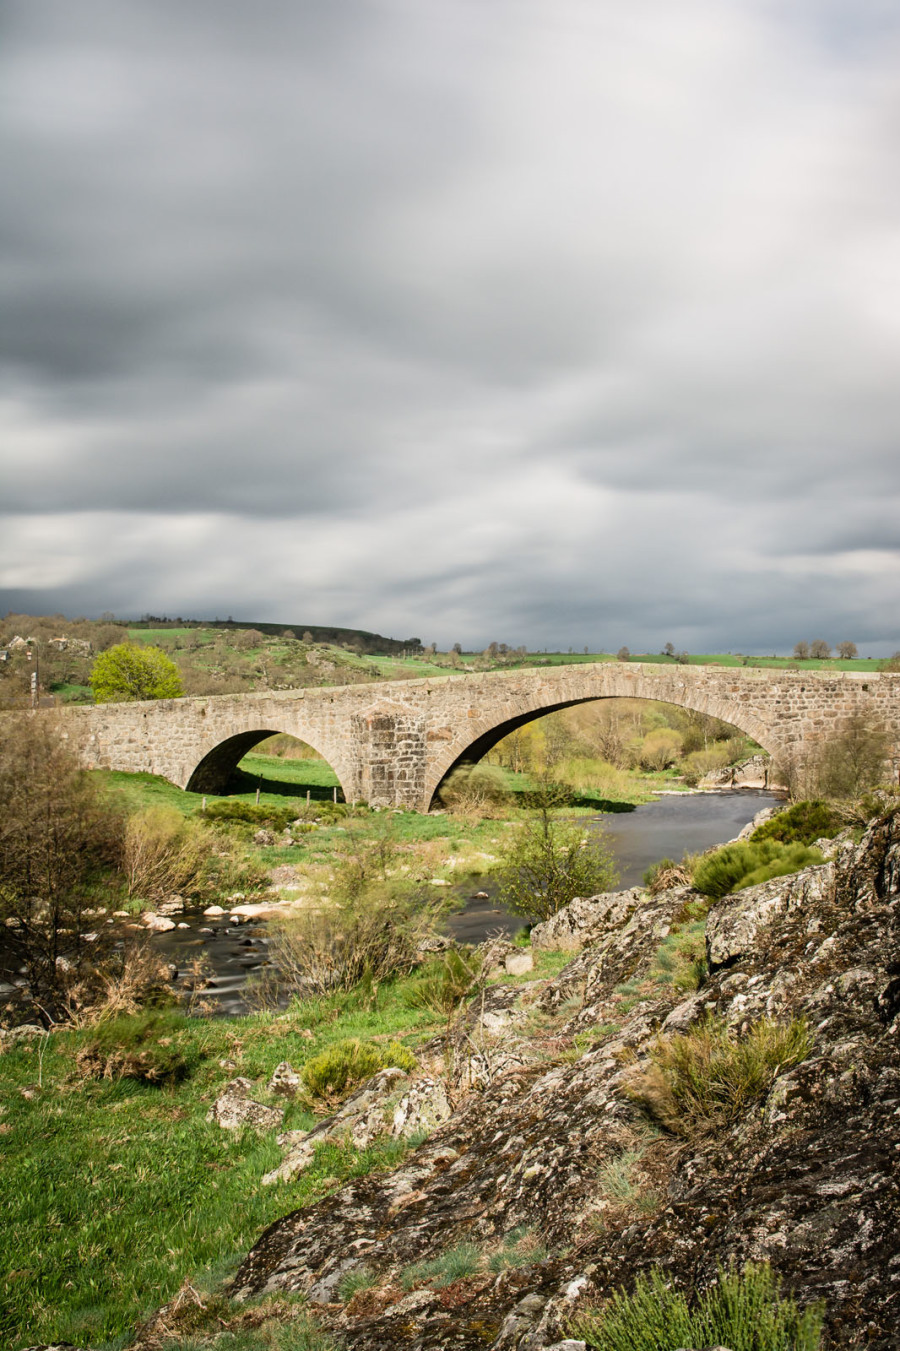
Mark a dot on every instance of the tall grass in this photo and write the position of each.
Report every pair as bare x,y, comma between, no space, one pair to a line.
703,1081
744,1311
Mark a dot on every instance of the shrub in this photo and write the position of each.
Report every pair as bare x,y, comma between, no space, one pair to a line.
660,748
548,862
256,814
377,936
145,1047
348,1063
803,823
474,788
704,1080
444,983
166,852
744,1311
736,866
664,874
60,841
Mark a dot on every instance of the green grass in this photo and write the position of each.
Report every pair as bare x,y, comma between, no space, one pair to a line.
114,1191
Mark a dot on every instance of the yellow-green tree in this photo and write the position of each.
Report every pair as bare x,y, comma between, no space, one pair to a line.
126,673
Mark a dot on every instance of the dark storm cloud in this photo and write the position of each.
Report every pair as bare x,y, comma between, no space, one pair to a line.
559,323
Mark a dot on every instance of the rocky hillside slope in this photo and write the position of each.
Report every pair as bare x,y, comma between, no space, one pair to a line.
555,1155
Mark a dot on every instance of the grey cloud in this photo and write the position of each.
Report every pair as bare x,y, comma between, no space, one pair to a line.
525,319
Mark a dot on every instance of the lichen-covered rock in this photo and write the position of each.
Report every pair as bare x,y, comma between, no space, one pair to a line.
234,1108
423,1107
362,1118
285,1080
585,919
805,1176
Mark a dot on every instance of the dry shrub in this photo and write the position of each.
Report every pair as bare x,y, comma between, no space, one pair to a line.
125,984
475,790
164,852
702,1082
146,1047
377,934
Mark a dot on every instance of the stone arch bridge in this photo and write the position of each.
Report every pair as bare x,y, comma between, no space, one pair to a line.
392,744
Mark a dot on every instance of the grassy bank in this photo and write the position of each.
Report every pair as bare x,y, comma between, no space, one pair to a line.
115,1191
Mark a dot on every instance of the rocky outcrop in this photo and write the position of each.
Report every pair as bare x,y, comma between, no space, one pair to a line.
234,1109
805,1176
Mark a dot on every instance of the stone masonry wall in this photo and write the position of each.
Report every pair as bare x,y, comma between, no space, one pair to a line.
393,743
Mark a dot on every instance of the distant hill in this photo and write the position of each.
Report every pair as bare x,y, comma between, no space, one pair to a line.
373,643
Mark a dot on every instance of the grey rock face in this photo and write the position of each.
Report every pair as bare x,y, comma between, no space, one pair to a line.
805,1177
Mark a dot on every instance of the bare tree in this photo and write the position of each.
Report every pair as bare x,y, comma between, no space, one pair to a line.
801,651
820,650
847,651
623,654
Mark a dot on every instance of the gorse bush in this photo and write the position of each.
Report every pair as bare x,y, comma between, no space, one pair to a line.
703,1081
745,864
744,1311
351,1062
803,823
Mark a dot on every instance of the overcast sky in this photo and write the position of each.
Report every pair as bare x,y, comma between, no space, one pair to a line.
564,322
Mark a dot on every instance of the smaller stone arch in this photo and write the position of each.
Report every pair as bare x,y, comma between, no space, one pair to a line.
213,772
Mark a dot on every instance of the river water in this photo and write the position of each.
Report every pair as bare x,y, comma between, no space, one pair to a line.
671,826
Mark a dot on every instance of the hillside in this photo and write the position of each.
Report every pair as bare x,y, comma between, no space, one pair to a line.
575,1134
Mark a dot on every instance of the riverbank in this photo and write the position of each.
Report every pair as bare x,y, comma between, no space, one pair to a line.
548,1184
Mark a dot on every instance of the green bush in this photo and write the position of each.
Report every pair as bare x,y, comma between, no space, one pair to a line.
349,1063
548,862
253,813
736,866
803,823
702,1082
128,672
744,1311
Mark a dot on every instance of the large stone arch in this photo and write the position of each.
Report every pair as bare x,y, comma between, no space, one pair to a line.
473,741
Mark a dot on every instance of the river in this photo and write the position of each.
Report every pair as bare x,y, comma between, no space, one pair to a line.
669,827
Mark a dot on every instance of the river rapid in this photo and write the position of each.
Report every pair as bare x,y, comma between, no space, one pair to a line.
671,826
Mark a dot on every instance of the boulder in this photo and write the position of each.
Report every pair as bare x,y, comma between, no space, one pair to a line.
285,1080
422,1108
234,1109
158,924
583,920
